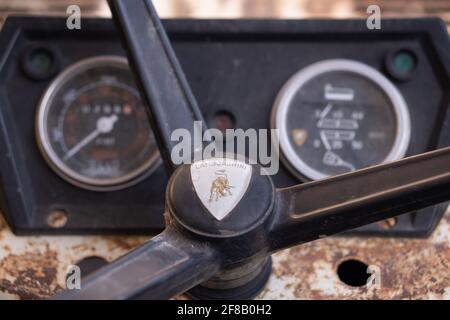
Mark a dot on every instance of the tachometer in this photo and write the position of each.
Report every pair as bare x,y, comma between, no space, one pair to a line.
337,116
92,127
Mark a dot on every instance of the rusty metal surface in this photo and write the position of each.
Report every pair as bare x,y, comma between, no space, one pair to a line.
35,267
409,268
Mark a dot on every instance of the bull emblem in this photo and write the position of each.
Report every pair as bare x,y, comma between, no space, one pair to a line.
220,186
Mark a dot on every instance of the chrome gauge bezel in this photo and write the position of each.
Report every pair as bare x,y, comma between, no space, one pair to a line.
46,148
283,102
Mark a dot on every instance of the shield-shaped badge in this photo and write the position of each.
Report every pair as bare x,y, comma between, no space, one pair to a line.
220,183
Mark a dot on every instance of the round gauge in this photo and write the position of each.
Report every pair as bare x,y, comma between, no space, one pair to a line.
337,116
92,127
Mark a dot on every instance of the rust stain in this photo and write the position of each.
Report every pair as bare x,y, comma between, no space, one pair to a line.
410,268
32,275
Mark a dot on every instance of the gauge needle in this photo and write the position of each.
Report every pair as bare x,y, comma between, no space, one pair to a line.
104,125
326,111
324,139
332,159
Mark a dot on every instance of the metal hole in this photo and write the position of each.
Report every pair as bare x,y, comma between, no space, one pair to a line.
224,120
90,264
353,273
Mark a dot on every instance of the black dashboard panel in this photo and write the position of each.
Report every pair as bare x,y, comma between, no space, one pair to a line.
237,67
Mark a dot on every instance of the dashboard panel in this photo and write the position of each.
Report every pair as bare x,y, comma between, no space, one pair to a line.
343,98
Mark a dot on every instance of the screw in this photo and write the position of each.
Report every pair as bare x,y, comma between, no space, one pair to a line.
388,223
57,218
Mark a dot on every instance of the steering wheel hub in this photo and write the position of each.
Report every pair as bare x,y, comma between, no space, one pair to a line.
220,197
228,204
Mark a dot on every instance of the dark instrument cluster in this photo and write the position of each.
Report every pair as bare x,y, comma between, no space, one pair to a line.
76,145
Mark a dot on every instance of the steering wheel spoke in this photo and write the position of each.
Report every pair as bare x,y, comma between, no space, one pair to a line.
164,267
162,83
318,209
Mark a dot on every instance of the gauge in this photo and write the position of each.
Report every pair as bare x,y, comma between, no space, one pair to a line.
92,127
337,116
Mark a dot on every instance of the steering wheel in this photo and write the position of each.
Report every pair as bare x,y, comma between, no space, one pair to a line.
215,254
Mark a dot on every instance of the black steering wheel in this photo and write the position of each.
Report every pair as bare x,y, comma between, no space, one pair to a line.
225,254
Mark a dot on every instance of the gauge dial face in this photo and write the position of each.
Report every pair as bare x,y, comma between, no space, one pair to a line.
92,126
337,116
